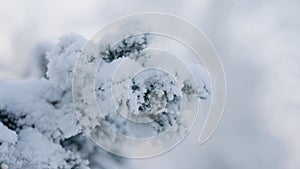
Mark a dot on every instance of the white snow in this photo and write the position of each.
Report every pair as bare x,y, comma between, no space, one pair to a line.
7,135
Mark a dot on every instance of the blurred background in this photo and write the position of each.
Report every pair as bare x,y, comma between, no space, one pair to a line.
258,43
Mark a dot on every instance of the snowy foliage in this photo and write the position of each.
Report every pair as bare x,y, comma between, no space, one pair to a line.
150,99
127,47
38,125
62,60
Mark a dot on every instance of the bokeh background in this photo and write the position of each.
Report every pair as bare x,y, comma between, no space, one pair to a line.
258,43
